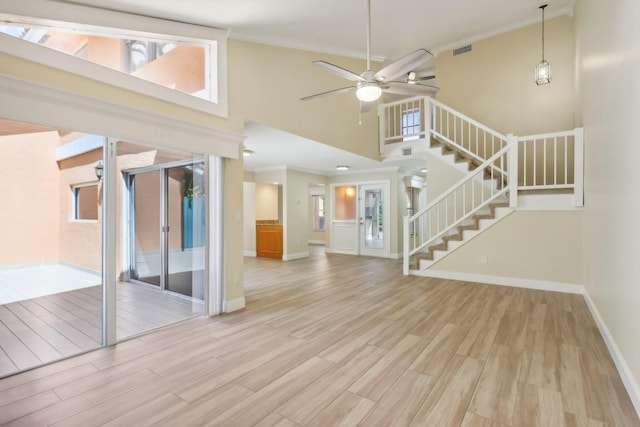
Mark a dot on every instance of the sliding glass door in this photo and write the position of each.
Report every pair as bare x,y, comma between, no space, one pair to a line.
146,227
167,227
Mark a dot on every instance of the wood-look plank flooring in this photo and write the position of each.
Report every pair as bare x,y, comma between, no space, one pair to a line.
48,328
336,340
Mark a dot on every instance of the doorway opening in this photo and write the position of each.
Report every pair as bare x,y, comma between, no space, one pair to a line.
165,216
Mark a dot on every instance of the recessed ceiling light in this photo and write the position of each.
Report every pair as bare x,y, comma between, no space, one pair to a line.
246,152
342,167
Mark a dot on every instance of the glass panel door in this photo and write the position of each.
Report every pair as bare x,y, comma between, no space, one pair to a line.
146,227
374,214
186,230
373,218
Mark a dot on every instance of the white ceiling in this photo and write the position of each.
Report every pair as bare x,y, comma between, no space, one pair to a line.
339,27
273,148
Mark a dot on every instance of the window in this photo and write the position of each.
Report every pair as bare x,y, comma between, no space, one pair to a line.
85,202
184,64
318,213
410,124
183,68
412,206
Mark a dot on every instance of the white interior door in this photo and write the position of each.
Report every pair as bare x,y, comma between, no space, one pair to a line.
344,219
374,214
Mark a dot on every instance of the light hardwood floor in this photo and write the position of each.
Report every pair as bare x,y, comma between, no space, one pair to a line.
344,341
44,329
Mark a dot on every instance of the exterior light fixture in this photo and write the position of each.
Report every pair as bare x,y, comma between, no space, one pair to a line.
543,69
99,171
368,92
342,167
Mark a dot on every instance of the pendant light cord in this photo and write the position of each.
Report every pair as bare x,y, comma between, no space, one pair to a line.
543,7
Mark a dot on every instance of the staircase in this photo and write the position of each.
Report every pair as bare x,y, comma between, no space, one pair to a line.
488,191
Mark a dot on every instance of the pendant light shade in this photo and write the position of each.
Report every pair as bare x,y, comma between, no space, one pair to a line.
543,69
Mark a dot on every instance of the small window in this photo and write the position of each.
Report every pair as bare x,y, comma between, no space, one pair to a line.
318,213
410,124
85,202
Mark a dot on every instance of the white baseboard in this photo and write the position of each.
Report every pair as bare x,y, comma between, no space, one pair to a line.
541,285
233,305
316,242
397,255
628,379
291,257
251,253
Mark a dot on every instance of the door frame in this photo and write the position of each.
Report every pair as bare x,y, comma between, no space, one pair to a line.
128,223
357,249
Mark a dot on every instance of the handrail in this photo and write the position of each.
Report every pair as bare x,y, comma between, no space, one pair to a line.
548,161
467,200
468,119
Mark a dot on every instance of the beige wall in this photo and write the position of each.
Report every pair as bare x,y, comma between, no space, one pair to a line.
267,201
534,245
493,83
267,82
30,209
608,106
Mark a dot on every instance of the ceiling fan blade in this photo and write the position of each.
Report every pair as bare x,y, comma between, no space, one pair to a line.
402,88
403,65
342,72
365,107
329,92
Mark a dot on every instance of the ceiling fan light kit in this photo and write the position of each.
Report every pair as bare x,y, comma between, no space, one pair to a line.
368,92
397,78
543,69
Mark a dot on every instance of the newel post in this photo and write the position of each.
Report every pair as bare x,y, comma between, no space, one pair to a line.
426,118
405,245
512,170
578,168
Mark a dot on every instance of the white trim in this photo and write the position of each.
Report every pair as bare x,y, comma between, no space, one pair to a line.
81,145
395,255
316,242
234,305
568,10
29,102
301,45
93,20
291,257
625,372
515,282
253,254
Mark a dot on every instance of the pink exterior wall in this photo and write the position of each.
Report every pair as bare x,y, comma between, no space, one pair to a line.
181,69
29,211
80,240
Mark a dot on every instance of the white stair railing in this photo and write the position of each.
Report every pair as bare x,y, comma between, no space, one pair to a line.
465,134
552,161
423,117
458,204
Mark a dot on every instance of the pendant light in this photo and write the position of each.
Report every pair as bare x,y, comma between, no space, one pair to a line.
543,69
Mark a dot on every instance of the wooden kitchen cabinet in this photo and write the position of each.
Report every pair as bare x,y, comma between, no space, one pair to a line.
269,241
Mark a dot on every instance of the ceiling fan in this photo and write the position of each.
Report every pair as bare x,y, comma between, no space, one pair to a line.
396,78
